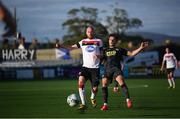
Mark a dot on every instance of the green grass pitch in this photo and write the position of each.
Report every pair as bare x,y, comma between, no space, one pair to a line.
47,99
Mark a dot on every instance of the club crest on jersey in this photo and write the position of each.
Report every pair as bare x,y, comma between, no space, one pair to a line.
111,53
90,48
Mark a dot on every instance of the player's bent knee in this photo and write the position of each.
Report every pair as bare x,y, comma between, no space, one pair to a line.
81,84
81,78
104,81
104,84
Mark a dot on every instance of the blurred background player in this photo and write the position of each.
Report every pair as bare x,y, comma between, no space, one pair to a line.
112,57
91,50
171,65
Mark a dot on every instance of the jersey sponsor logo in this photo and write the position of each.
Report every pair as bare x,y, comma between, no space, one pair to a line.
90,48
168,56
111,53
90,43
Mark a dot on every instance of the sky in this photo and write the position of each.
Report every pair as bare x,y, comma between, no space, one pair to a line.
43,18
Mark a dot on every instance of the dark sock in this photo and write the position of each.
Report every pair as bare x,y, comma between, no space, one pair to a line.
125,91
105,94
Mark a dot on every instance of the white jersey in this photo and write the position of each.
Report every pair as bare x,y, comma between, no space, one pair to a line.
170,60
91,48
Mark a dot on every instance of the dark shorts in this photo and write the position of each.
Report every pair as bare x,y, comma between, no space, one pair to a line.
169,70
112,73
92,74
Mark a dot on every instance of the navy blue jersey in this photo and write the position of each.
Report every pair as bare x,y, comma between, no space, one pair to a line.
113,56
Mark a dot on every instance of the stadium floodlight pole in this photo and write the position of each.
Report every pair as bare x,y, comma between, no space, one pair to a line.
15,20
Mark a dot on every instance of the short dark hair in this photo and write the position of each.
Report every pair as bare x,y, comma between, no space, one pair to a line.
168,48
90,26
113,35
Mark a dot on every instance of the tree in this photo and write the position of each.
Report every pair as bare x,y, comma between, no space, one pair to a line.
119,22
78,20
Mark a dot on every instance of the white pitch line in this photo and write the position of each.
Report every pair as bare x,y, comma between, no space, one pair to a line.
139,86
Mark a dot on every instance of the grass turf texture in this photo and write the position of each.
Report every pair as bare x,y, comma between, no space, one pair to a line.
47,98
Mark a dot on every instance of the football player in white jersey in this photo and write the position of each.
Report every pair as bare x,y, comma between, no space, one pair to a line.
171,65
91,51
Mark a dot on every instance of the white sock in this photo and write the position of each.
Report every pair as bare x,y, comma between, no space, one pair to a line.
93,95
170,83
173,82
105,103
127,99
82,95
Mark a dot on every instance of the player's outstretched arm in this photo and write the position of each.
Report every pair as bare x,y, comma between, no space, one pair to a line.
162,66
175,60
177,65
135,52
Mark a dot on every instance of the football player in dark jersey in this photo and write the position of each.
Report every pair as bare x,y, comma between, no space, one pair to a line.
111,58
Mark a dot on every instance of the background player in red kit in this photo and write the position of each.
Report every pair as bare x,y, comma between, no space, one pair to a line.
171,65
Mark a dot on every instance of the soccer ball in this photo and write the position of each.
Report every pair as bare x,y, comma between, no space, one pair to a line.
73,100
